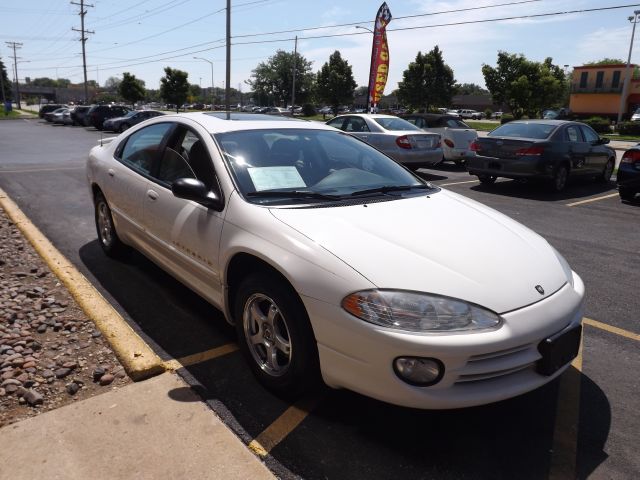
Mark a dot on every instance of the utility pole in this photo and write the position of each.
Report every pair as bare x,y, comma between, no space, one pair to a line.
15,46
295,64
227,91
627,75
83,39
4,98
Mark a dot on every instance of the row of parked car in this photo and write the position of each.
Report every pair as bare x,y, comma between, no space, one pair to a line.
116,118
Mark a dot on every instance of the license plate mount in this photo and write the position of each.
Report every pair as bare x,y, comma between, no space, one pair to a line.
558,350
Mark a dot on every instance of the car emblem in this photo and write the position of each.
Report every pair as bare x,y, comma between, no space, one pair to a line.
540,289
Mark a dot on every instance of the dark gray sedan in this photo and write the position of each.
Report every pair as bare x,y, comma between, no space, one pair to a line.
551,150
120,124
399,139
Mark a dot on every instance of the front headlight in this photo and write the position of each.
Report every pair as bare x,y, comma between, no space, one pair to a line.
419,312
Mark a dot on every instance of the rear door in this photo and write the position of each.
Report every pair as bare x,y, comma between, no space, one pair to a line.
598,155
577,148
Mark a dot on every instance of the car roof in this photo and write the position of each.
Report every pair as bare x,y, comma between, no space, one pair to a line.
215,122
431,116
367,115
542,122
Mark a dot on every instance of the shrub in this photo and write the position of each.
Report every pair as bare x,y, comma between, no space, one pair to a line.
308,110
629,128
506,118
488,113
599,124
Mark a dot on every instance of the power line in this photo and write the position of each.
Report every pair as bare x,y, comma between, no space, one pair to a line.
16,46
350,24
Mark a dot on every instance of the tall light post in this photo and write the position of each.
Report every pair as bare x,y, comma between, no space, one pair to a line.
211,64
369,80
627,77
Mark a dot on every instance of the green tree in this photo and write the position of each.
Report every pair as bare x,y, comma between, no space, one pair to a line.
427,82
607,61
523,85
131,88
174,86
111,84
273,80
335,84
7,86
43,82
470,89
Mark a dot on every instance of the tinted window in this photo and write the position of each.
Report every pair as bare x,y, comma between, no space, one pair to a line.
316,161
599,79
356,124
390,123
141,148
589,134
573,134
523,130
615,81
455,123
336,122
584,76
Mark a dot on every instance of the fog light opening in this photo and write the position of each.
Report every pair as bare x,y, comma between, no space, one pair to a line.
421,372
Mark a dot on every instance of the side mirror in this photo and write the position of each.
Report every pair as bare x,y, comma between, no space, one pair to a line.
604,141
193,189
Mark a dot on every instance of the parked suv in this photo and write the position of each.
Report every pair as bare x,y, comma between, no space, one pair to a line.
99,113
472,114
78,114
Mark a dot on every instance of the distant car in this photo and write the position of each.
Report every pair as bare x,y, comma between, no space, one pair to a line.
325,110
278,111
97,114
399,139
636,115
49,116
453,113
456,135
78,113
556,114
470,114
552,150
497,114
336,263
628,176
62,117
120,124
50,107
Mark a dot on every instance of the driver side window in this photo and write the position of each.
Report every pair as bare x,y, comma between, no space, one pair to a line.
186,157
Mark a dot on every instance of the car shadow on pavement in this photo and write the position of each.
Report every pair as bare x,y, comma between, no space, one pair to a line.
536,190
347,435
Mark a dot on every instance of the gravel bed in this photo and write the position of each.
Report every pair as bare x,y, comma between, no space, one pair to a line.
51,354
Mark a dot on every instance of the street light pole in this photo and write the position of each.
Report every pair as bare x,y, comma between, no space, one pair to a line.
627,77
211,64
369,79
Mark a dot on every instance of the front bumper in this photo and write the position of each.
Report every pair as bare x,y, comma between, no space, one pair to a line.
480,368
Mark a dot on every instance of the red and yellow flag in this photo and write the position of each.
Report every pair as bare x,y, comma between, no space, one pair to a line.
379,56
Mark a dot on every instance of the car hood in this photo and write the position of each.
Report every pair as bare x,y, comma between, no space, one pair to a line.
443,243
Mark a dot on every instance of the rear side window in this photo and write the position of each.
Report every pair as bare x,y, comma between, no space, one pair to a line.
573,134
141,148
589,134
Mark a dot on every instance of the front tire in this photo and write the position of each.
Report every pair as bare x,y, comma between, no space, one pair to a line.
559,181
108,238
605,176
487,179
275,335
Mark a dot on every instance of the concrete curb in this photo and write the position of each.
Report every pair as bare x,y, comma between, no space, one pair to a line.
138,359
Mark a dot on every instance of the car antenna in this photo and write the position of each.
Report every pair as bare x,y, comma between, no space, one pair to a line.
101,132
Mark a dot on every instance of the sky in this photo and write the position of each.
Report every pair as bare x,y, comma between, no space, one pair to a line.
144,36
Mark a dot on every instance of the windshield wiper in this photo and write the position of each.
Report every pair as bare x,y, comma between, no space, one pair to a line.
293,194
390,188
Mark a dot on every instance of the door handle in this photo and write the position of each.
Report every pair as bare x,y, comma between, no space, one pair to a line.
111,172
152,195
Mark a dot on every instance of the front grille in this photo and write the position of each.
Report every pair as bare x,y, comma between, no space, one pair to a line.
499,363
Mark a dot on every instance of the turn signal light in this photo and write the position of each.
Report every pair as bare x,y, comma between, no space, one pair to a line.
403,142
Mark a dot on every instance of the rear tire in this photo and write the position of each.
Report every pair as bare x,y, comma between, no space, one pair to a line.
626,195
275,335
106,229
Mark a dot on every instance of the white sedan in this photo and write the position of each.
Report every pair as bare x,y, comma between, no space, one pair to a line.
335,262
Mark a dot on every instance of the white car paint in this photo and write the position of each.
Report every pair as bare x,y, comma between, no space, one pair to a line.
440,243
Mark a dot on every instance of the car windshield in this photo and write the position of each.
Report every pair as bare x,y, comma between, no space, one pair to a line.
391,123
524,130
293,166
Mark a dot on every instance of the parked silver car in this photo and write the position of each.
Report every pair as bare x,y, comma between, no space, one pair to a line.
399,139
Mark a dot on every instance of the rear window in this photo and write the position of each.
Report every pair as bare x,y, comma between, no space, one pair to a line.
524,130
391,123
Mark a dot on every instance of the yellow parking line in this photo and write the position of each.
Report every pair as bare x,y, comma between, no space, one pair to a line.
458,183
596,199
611,329
199,357
283,426
565,434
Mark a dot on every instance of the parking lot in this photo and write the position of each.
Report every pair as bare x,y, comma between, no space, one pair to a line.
583,425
